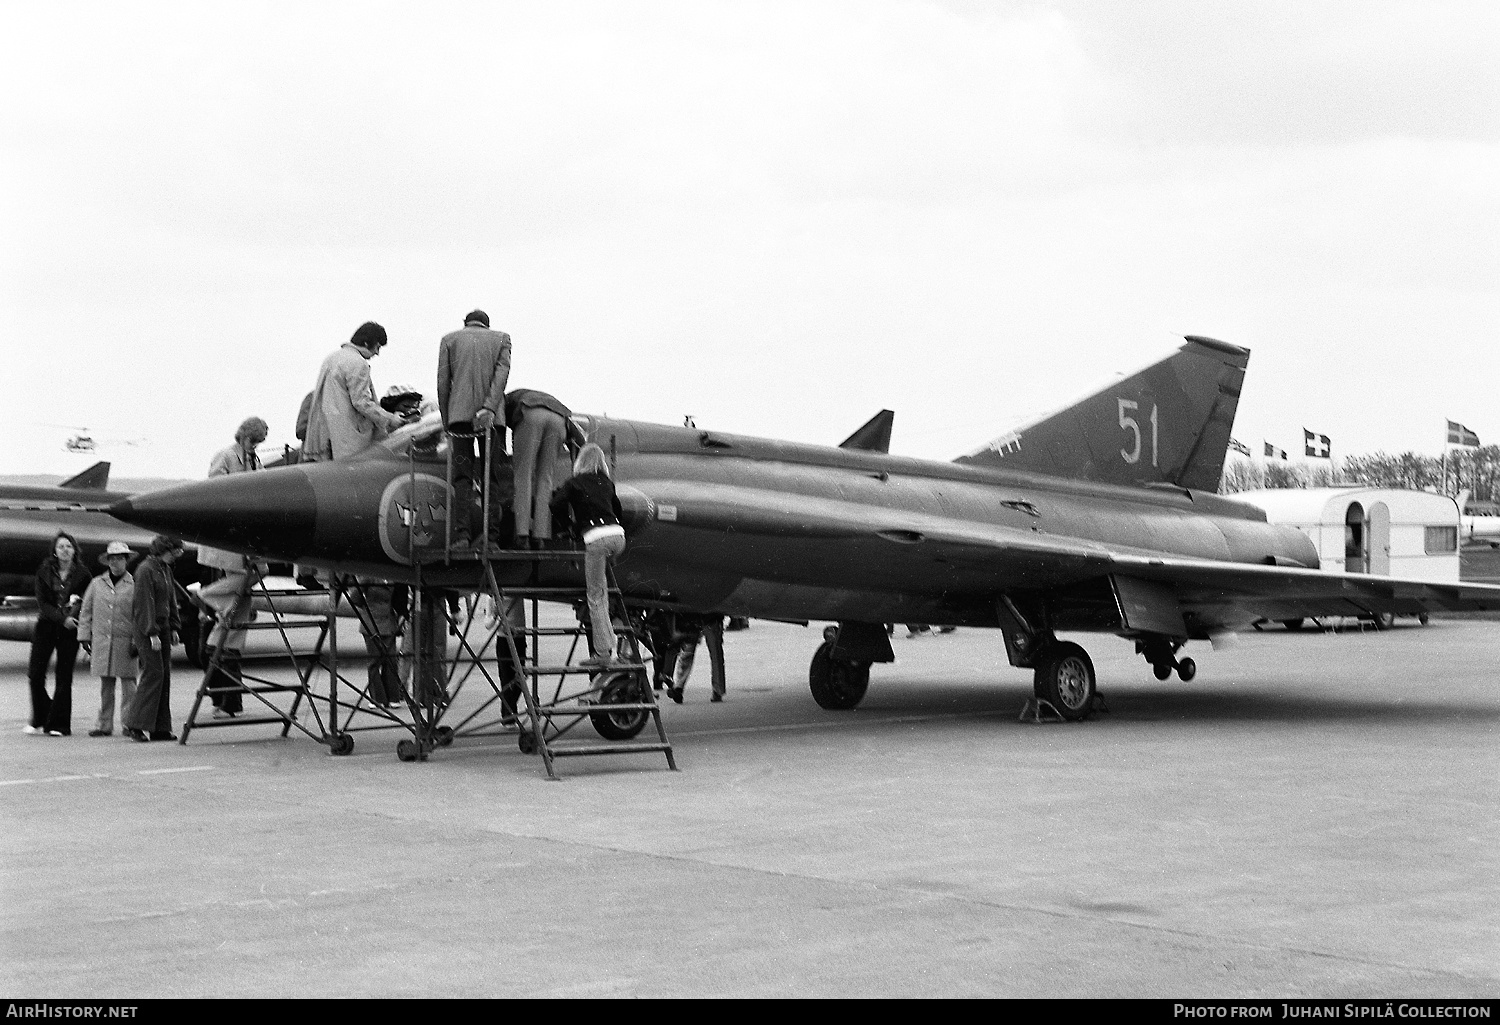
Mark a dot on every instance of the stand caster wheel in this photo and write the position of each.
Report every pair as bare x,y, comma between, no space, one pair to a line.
406,750
1186,670
341,744
444,736
526,741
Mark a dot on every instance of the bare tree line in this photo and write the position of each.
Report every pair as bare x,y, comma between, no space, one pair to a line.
1476,470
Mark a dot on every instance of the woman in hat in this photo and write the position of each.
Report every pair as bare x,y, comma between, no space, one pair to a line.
106,633
60,583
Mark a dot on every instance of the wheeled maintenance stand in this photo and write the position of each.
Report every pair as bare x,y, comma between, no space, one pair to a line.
533,671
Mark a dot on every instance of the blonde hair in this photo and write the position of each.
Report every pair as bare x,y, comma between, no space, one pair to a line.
591,460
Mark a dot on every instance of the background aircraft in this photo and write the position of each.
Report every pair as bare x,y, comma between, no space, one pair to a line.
1099,518
31,516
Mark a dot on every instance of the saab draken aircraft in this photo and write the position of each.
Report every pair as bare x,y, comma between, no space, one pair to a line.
1100,518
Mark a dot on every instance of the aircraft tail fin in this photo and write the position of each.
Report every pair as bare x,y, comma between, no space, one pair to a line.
874,436
1166,424
95,478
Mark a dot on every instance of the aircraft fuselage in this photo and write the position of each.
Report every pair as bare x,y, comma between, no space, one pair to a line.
751,526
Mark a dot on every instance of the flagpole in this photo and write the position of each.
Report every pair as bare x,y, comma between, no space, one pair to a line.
1445,460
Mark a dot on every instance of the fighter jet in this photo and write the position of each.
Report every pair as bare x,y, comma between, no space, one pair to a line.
1099,518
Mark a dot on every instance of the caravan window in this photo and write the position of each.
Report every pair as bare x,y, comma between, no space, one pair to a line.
1440,539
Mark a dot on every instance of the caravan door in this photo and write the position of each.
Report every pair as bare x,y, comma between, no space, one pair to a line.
1378,539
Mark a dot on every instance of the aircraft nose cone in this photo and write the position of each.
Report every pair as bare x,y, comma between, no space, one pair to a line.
271,511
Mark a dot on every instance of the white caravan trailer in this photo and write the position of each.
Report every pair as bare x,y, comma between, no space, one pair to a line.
1385,532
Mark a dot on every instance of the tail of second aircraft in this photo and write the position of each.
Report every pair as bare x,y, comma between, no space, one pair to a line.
1167,424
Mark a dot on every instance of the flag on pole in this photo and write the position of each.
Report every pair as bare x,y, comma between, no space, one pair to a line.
1272,452
1239,446
1458,434
1316,446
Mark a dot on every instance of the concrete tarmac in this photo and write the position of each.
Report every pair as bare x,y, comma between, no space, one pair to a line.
1314,815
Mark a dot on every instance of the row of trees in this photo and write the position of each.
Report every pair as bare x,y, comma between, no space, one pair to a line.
1474,469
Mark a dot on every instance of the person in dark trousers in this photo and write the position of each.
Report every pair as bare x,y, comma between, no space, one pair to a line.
60,585
692,629
154,610
512,676
588,501
540,424
473,367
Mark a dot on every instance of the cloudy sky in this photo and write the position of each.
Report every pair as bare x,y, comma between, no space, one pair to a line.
776,217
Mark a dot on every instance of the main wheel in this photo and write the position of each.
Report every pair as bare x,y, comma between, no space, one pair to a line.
1065,678
621,689
835,685
1385,620
1161,670
1293,624
1186,670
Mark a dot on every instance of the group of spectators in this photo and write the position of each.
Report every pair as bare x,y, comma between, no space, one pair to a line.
125,623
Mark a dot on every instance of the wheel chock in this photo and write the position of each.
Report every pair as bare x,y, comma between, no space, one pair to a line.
1040,710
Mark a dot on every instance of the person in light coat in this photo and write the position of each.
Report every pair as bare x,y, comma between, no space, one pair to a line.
224,594
107,635
343,418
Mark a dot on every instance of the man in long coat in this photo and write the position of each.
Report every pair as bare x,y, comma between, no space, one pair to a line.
343,418
154,610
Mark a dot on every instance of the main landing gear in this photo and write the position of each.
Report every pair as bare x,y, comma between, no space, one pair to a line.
1162,654
1064,678
836,684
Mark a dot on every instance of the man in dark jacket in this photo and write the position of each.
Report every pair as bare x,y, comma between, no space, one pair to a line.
154,611
473,367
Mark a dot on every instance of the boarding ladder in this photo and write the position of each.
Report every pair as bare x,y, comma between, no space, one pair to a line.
265,697
547,691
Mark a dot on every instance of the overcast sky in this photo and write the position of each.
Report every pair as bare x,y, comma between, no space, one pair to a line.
779,218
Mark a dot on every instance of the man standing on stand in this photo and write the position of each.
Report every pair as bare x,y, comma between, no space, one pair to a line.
343,418
473,367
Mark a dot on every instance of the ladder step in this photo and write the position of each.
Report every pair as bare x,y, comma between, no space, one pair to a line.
284,623
537,591
500,555
532,670
570,751
258,688
589,708
241,720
